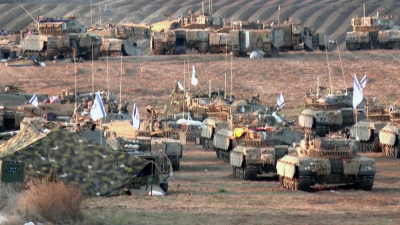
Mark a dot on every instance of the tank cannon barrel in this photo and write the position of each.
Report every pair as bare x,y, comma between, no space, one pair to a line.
58,109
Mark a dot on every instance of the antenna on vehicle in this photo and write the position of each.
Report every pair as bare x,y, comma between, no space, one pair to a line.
100,12
37,23
202,8
317,86
209,7
329,70
279,15
364,9
91,14
340,58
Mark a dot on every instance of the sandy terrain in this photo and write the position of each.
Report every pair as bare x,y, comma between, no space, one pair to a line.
216,197
332,17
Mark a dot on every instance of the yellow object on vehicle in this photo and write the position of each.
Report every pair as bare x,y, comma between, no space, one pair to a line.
239,131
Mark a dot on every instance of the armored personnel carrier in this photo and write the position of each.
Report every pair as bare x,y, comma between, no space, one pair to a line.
326,162
389,135
66,37
367,131
122,39
248,162
373,32
332,114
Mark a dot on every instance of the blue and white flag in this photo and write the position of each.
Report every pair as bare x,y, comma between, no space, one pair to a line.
189,117
34,101
135,117
194,80
97,111
281,101
363,81
357,93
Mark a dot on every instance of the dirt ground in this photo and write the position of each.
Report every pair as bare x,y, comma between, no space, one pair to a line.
207,193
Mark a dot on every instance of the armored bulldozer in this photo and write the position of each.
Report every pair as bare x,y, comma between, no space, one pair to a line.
373,32
332,114
298,38
326,162
122,39
244,42
64,38
248,162
367,131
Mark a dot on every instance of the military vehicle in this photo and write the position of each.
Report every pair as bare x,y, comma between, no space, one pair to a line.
298,38
332,114
373,32
326,162
9,45
122,39
249,161
66,37
367,131
244,42
389,135
214,123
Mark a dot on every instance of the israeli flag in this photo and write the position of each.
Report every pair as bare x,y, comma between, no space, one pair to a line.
135,117
34,101
97,111
189,117
194,80
281,101
357,93
363,81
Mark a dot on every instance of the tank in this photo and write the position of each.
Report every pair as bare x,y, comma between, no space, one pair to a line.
367,131
330,114
61,38
10,45
214,123
389,135
250,162
122,39
298,38
326,162
373,32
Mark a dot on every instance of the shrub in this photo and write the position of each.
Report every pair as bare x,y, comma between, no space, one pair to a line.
52,202
9,194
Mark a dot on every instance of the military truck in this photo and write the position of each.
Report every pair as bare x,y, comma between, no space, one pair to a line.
332,114
61,38
298,38
373,32
122,39
326,162
244,42
10,45
248,161
367,131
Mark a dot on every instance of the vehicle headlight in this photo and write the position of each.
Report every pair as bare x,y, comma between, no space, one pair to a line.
368,168
307,167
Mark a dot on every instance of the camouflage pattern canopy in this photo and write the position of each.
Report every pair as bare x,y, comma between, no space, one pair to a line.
98,170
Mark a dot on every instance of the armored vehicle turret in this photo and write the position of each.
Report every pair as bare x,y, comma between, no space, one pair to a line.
326,162
331,114
64,37
373,32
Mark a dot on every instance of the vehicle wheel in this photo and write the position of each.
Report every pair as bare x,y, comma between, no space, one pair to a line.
366,183
164,187
250,172
304,183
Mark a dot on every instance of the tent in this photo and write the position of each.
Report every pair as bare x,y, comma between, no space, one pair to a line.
98,170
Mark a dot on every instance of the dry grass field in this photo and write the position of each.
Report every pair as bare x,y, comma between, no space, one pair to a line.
329,16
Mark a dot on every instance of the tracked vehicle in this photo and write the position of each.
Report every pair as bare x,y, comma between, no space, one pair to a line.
326,162
389,135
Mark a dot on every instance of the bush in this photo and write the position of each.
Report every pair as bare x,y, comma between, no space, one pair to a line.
9,194
51,202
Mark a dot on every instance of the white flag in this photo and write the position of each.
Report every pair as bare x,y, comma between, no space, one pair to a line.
194,78
363,81
34,101
357,93
135,117
280,101
97,111
180,86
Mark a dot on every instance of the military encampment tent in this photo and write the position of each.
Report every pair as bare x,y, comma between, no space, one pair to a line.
98,170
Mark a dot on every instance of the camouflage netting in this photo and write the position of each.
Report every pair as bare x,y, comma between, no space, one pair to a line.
98,170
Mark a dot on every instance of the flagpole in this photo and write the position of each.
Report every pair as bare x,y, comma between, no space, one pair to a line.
184,86
231,75
120,85
188,69
92,68
226,59
108,82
